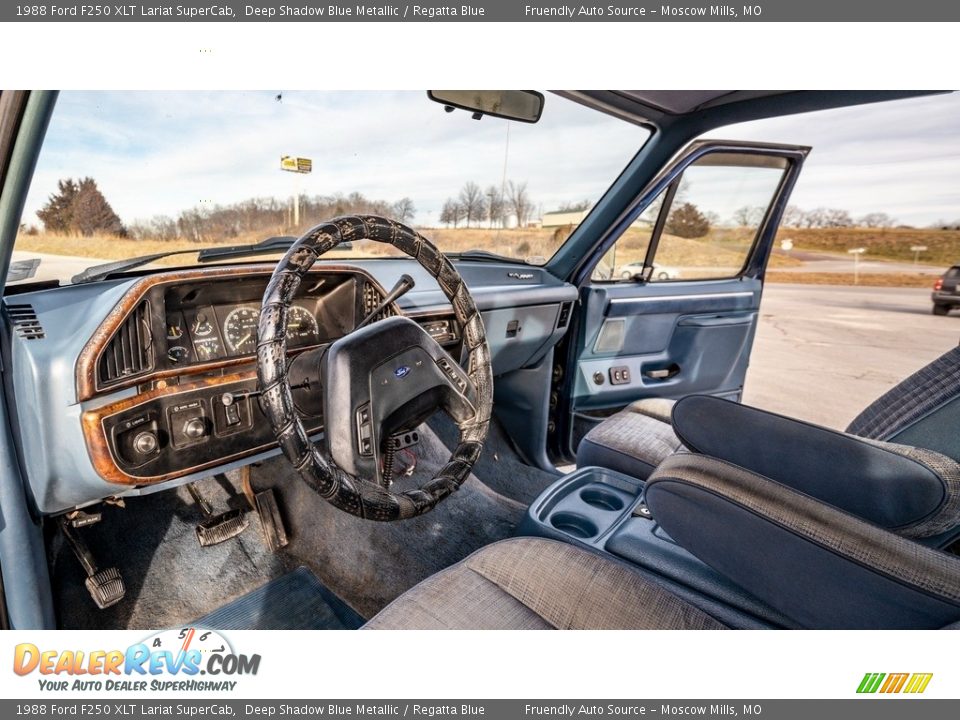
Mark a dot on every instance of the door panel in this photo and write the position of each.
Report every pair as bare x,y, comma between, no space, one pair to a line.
669,306
672,343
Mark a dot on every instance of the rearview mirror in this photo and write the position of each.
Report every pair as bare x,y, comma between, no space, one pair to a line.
523,105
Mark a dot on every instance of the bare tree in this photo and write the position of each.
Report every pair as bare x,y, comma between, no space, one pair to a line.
749,215
474,205
578,206
451,213
496,207
404,210
793,216
877,220
519,202
837,218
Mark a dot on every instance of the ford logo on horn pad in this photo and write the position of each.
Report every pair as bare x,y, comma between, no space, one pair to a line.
401,371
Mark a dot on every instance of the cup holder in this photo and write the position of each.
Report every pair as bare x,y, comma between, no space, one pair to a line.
575,525
602,499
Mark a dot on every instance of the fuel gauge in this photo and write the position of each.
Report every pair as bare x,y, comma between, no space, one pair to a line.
178,354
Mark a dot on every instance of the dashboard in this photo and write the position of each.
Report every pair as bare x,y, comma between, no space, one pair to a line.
187,342
136,384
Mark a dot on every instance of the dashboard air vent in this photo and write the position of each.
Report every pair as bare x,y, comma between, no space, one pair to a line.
371,298
24,320
130,350
563,318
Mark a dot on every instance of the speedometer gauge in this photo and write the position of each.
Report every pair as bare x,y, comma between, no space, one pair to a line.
301,326
240,329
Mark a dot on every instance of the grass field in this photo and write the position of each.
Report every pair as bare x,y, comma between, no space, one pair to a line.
720,251
866,279
883,244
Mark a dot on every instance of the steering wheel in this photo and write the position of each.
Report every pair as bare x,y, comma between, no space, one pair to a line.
378,382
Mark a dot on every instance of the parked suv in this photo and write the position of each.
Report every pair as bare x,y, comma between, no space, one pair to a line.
946,291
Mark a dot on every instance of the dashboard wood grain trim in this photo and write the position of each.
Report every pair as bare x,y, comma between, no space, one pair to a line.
98,445
86,368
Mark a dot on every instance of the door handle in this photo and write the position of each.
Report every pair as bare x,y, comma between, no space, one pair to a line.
662,373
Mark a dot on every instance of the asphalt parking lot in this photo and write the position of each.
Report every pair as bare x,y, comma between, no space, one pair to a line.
823,353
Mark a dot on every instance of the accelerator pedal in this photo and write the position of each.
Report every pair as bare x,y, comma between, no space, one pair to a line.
215,529
105,586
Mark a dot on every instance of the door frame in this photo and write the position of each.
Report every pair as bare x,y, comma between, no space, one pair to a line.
754,267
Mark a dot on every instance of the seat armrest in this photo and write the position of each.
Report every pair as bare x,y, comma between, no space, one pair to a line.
819,566
911,491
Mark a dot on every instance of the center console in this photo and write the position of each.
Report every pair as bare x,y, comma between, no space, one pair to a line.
604,511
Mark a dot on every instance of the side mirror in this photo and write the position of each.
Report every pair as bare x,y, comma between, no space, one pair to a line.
522,105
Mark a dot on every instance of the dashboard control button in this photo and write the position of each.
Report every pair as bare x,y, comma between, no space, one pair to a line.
364,431
146,443
232,414
195,428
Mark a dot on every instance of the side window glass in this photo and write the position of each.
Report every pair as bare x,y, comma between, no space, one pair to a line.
703,226
624,260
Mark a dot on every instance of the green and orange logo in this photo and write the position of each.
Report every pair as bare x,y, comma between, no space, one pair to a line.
913,683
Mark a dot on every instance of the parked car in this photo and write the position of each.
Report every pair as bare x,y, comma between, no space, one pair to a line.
660,272
946,291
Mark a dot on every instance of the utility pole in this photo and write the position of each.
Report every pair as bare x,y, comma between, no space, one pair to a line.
300,166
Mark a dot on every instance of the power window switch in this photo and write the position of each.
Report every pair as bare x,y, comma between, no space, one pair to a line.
620,375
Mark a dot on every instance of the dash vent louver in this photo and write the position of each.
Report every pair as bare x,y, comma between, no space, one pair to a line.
563,318
130,350
25,323
371,298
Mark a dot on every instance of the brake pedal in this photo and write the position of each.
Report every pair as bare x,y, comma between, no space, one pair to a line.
215,529
220,528
105,586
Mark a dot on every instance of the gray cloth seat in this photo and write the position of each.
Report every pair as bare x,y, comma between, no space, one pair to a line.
816,565
538,584
634,441
922,411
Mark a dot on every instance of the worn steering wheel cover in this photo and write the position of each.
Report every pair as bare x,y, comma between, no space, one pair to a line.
349,493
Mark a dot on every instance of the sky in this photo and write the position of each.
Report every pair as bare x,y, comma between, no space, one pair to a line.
157,153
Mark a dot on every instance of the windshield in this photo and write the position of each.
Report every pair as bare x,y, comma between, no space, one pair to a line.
127,174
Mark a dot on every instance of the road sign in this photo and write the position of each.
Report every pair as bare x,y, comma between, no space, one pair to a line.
296,164
786,244
918,248
856,252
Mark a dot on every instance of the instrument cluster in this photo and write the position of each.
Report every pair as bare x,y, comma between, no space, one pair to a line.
218,321
214,332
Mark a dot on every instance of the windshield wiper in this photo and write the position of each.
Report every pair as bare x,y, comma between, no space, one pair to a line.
208,254
487,256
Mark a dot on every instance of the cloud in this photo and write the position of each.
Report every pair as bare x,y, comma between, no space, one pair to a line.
158,152
900,157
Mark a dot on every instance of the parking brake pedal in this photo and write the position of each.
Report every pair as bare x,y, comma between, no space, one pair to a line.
215,529
105,586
